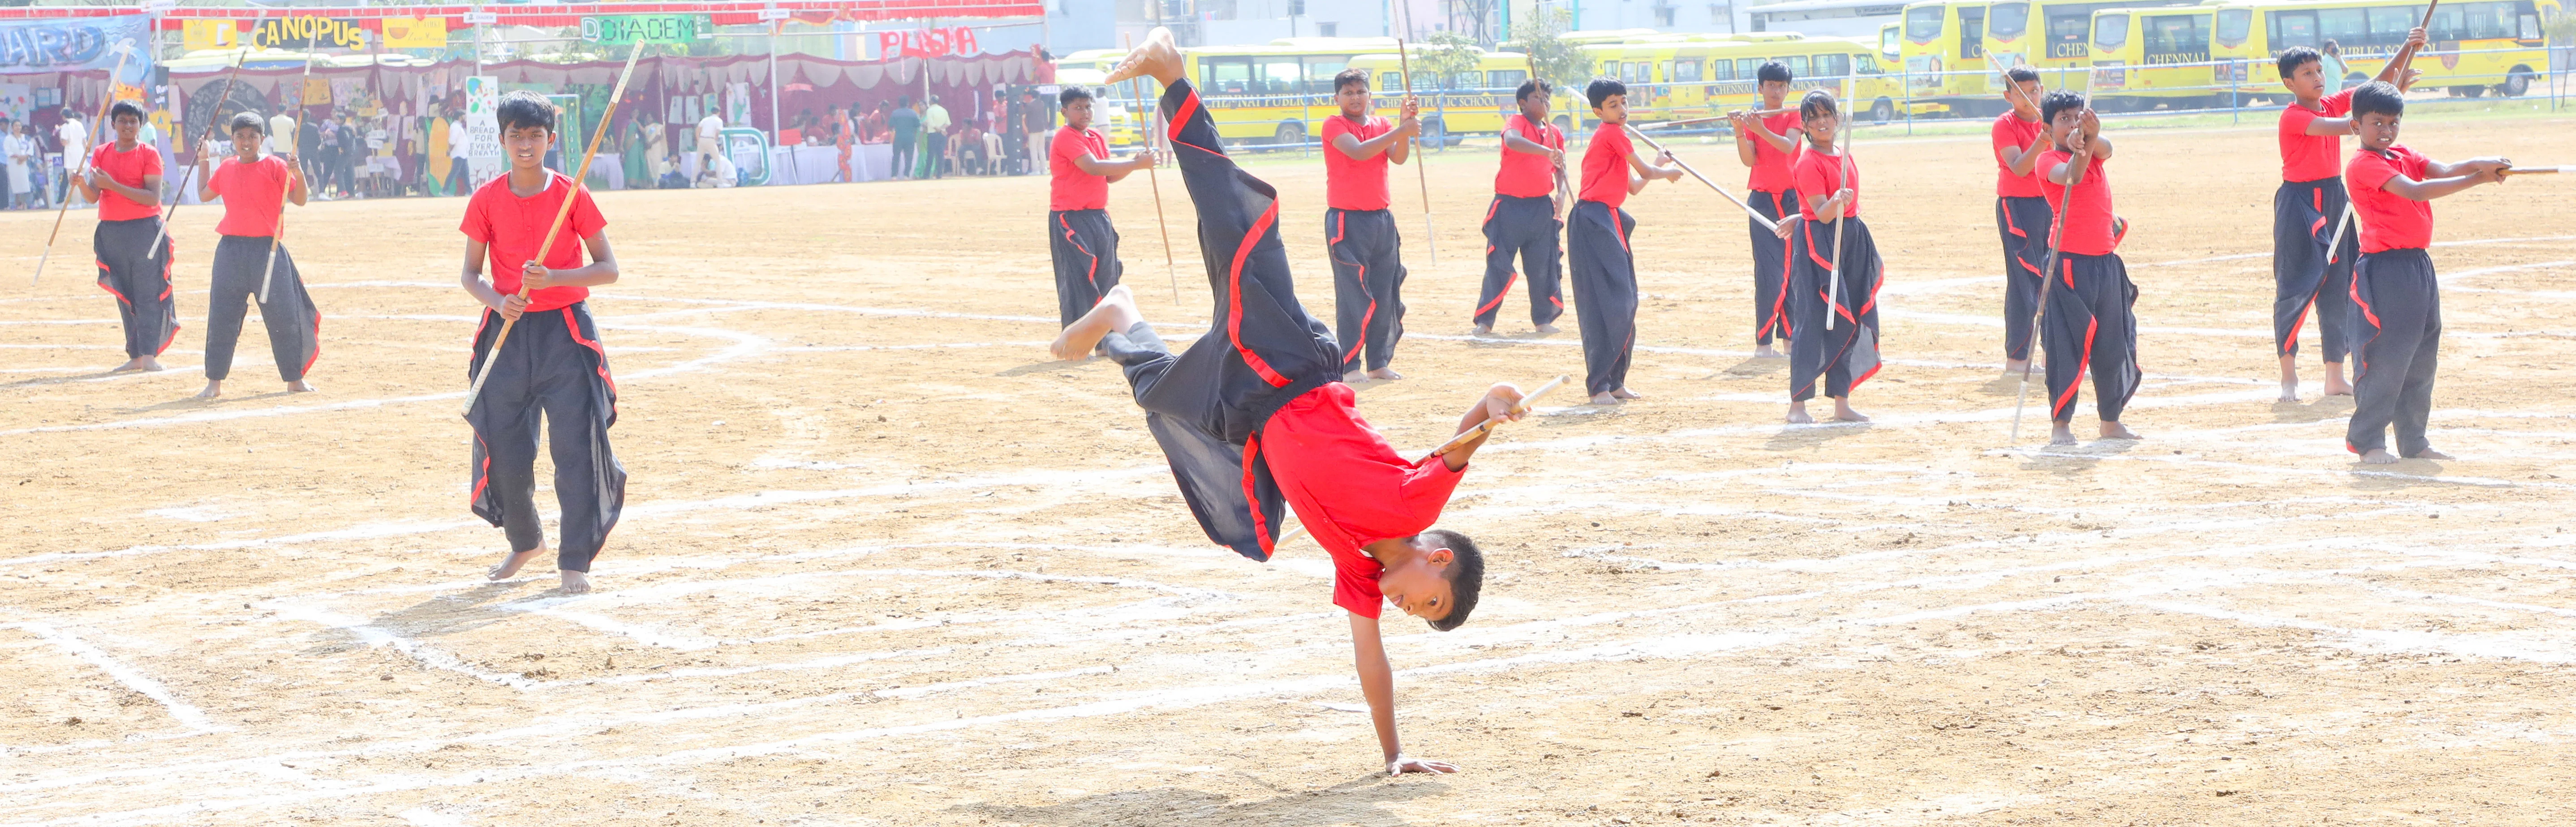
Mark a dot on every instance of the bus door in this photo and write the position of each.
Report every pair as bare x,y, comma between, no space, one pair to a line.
1972,49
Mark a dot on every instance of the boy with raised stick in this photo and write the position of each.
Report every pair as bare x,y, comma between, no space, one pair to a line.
1359,230
2021,209
1523,218
1085,247
2306,271
1596,243
254,190
2397,301
553,363
1834,272
1252,419
2091,321
125,180
1764,143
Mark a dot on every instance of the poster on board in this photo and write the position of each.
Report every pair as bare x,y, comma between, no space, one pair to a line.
483,128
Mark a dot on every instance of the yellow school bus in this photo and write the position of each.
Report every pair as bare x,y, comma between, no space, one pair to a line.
2476,46
1475,101
1274,93
2135,52
1693,76
1114,110
1942,37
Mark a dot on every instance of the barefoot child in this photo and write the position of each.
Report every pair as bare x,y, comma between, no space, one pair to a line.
254,190
1523,220
1253,421
1596,243
553,362
1768,145
1829,185
1359,230
1085,247
2397,304
2306,213
125,179
2021,210
2092,322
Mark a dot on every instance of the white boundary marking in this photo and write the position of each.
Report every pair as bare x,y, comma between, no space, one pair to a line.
188,716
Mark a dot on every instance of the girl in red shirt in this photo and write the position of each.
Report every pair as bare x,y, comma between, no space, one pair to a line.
254,190
1827,230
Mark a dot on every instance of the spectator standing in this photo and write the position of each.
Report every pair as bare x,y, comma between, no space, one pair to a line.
934,127
906,124
2331,60
1036,122
74,136
308,150
710,139
460,171
19,152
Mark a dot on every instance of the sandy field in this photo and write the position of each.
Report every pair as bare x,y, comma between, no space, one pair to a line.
882,564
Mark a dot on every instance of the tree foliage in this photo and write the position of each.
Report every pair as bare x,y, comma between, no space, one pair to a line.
1551,57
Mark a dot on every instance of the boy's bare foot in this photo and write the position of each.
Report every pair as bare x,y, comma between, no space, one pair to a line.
1798,413
1605,398
2429,453
1764,351
1548,328
1483,330
509,566
1385,373
2289,378
1624,393
2378,456
1355,377
2335,384
574,582
1115,312
1157,58
2061,434
138,363
300,386
214,388
1843,411
2114,430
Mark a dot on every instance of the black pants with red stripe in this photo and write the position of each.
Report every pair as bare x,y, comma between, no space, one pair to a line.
2092,323
140,279
1605,292
1368,285
2305,272
2397,323
1086,260
1770,264
1206,404
294,325
1846,355
553,364
2023,224
1527,227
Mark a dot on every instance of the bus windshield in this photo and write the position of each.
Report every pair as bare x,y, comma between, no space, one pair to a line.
2110,31
1923,24
2007,20
2234,25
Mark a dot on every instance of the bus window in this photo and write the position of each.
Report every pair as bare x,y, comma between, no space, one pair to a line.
1833,65
1922,24
1686,71
2176,38
1320,72
1868,65
1279,75
2389,24
1797,65
1972,32
1748,68
2291,29
1226,75
2344,26
1389,82
1721,69
1634,71
1887,43
2234,25
2474,21
2110,32
1506,79
2067,26
2007,21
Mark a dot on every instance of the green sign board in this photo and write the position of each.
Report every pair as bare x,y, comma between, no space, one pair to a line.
622,29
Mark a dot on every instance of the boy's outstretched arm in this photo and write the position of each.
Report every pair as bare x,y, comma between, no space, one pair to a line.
1377,683
1498,404
2445,179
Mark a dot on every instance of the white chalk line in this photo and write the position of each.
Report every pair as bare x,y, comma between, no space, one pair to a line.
187,715
2266,254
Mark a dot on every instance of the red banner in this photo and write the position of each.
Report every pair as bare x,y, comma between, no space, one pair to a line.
941,42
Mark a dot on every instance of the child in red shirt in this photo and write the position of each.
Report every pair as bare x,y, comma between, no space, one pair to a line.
1764,143
1253,422
2311,265
553,361
125,179
1522,220
1596,243
2021,211
254,190
1079,238
1359,230
2397,302
2091,319
1828,185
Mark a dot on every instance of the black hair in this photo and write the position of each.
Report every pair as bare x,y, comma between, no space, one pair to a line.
1466,575
1533,86
2378,97
522,109
124,108
1773,70
2058,101
2294,58
2022,73
1070,94
247,120
1600,90
1347,77
1817,102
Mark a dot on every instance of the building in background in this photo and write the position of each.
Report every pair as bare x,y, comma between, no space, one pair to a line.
1839,18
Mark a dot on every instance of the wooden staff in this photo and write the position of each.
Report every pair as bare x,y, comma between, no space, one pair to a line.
2048,264
1766,223
203,135
1688,121
268,275
98,128
1404,63
2405,58
561,213
1145,131
2532,171
1463,437
1834,275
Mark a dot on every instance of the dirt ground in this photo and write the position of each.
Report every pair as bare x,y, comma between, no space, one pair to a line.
882,565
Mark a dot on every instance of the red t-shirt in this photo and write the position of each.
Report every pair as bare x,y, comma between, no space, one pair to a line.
1349,488
2306,157
1074,189
2088,222
1821,174
1770,165
1354,183
1605,166
2388,221
515,227
1524,174
253,193
2012,132
126,168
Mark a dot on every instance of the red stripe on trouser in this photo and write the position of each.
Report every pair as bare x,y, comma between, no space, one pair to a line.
2091,326
1090,273
1489,252
1341,229
316,355
1234,297
575,329
1189,106
2361,354
1260,526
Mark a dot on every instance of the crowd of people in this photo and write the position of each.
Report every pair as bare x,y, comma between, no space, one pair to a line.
1005,134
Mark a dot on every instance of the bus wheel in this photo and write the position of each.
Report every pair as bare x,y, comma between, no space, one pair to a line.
1565,124
1435,133
1884,110
1291,133
2470,91
2515,82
